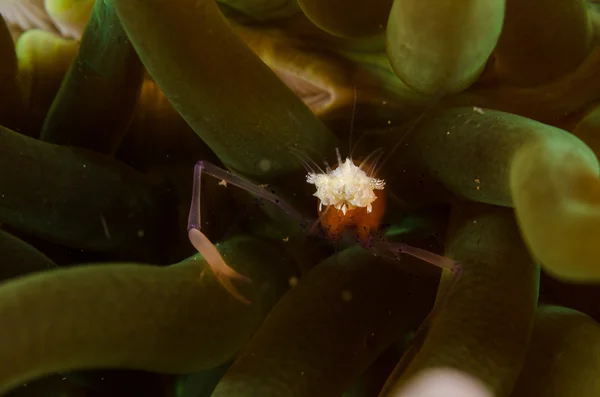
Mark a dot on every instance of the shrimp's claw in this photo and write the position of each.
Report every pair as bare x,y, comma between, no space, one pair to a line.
224,273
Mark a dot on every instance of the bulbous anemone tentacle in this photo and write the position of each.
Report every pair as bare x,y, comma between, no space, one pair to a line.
20,258
350,19
81,199
26,14
547,174
322,81
444,382
11,101
546,103
163,319
481,329
105,71
70,16
43,59
434,53
329,328
540,44
194,64
563,357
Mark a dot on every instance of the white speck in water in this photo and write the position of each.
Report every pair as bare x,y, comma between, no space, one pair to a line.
264,165
84,166
346,296
140,233
478,110
104,226
293,281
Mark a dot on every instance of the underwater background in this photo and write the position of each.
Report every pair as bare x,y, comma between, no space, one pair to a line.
486,116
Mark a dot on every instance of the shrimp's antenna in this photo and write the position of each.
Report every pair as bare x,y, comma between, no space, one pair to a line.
410,128
371,161
350,148
309,164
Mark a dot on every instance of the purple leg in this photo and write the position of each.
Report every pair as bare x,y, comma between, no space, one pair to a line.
394,250
224,273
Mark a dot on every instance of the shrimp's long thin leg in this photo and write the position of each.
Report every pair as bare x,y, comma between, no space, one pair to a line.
395,250
426,256
224,273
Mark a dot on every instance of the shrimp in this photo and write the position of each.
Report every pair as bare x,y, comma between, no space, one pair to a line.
349,196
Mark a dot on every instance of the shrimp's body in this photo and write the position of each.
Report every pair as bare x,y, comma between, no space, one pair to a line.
350,197
353,198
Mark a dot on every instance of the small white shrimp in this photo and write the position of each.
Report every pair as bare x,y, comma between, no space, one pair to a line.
350,196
